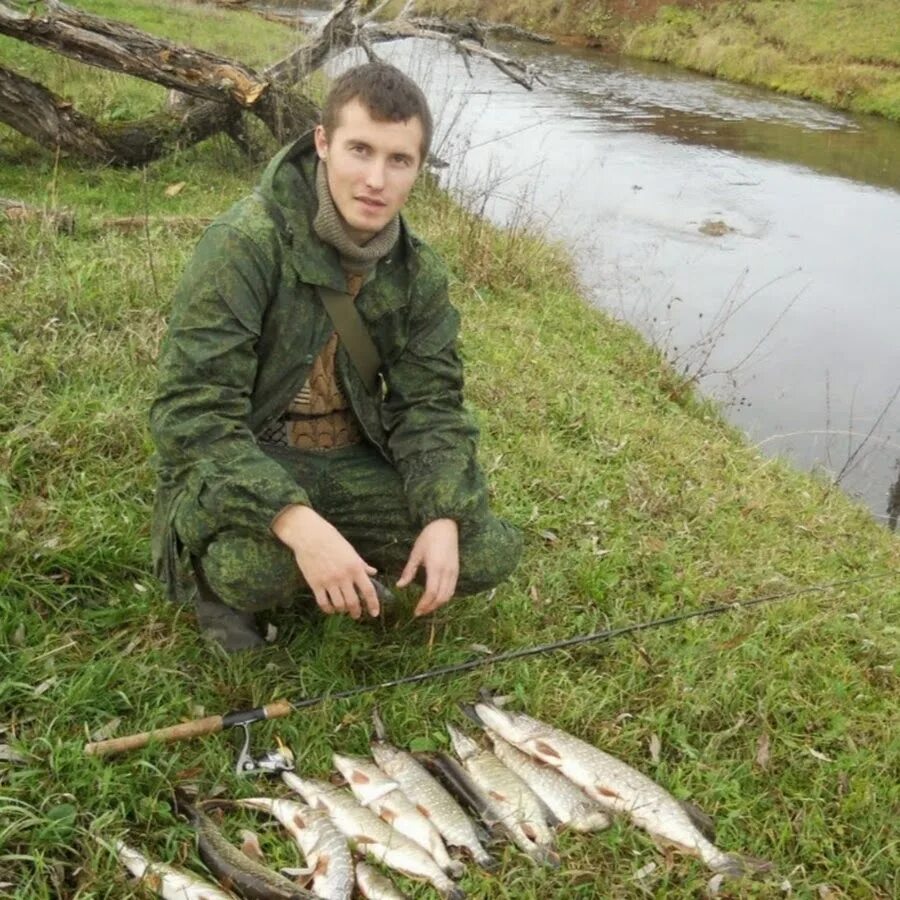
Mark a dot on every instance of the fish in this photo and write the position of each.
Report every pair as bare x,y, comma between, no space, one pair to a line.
247,877
371,834
616,786
375,886
459,783
167,881
383,796
512,801
323,847
568,803
430,796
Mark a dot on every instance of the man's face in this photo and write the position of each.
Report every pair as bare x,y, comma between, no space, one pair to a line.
372,167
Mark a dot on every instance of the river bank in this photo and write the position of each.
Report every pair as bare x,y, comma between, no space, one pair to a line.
845,54
636,499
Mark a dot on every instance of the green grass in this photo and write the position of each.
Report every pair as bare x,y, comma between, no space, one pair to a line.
842,52
636,502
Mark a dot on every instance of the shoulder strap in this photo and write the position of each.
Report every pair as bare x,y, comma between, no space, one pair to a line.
342,311
353,333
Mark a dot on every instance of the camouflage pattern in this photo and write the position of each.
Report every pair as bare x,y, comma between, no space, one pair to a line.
246,326
362,496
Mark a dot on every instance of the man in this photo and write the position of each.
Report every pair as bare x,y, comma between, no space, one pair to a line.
284,469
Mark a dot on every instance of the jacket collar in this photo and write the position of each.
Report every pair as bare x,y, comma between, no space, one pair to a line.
290,181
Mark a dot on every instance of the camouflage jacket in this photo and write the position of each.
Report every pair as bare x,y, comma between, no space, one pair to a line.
245,328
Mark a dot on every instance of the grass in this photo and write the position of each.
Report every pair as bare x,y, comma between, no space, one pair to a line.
842,52
845,54
636,502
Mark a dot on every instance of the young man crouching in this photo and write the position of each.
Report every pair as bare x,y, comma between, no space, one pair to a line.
286,466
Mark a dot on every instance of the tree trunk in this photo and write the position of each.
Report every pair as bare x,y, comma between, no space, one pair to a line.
53,122
114,45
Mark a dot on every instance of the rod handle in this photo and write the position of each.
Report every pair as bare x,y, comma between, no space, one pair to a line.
186,730
182,731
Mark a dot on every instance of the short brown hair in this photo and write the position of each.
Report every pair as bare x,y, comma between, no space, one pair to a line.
387,95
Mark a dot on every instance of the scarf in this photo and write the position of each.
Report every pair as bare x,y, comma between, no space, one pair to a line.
331,228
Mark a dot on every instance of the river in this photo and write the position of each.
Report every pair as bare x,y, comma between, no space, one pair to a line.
754,237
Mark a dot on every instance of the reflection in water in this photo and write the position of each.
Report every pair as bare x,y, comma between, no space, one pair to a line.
695,109
664,185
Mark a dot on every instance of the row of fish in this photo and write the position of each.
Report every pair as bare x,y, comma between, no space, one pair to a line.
403,810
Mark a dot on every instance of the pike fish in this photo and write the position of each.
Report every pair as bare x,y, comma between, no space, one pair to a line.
430,796
570,805
247,877
373,835
375,886
383,796
323,846
511,800
167,881
614,785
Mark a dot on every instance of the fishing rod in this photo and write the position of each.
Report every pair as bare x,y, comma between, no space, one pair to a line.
280,708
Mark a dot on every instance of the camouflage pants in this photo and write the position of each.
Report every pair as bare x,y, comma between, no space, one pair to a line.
362,496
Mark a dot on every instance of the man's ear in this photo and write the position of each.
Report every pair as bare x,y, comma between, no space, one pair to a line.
321,140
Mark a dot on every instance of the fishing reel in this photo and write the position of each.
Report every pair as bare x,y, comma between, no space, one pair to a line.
272,762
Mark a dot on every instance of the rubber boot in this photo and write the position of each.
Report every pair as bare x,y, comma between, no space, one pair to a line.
232,629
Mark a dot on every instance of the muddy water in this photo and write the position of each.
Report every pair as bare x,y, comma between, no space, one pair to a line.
755,237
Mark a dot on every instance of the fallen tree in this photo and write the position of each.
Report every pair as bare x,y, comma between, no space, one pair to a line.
211,92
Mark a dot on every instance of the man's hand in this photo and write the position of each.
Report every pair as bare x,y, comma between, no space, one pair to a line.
437,549
336,573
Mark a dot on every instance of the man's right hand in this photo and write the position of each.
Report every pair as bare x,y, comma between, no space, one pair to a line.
338,576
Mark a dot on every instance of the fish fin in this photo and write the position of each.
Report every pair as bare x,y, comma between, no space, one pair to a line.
487,862
547,749
456,869
378,725
454,893
363,839
552,859
529,831
298,820
553,820
702,820
486,696
424,811
250,845
184,803
387,814
468,710
604,791
216,804
359,777
300,875
737,865
496,795
322,864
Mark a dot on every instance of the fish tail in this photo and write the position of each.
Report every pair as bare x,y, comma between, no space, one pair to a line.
550,858
469,711
184,804
487,862
378,724
737,865
454,893
455,869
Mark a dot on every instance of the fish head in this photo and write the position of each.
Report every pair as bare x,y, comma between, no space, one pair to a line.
367,782
516,728
310,789
382,752
463,745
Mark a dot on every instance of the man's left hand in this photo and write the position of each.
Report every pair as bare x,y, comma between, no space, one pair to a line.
437,549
